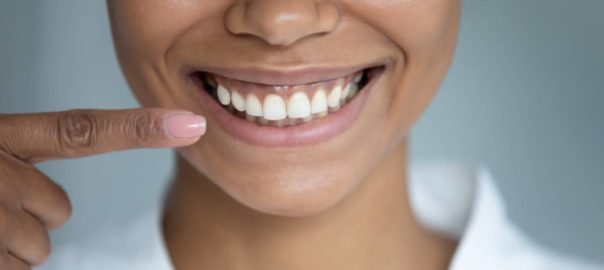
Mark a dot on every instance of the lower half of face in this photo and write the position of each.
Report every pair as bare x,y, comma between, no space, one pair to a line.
303,98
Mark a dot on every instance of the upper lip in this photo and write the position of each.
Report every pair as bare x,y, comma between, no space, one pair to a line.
286,76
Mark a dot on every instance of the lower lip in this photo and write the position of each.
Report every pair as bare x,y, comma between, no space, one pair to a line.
311,133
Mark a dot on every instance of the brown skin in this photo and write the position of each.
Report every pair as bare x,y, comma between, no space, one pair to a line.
336,205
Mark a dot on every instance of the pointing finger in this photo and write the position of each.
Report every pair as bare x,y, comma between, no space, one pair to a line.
75,133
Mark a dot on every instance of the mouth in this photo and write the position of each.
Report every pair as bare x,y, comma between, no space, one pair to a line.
261,113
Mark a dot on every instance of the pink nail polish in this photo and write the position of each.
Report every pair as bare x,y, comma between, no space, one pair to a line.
185,126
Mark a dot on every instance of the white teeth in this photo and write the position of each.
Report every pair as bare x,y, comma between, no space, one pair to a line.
223,95
333,100
274,108
346,91
253,106
298,106
238,102
319,102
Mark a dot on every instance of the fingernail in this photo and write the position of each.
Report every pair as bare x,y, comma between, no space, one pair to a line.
185,126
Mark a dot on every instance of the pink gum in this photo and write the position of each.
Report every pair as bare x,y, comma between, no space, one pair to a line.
262,90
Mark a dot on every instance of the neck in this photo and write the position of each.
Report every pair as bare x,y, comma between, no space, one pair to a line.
372,228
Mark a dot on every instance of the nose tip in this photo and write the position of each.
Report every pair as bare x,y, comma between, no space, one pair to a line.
282,22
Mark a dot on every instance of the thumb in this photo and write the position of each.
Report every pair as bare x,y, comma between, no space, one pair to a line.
82,132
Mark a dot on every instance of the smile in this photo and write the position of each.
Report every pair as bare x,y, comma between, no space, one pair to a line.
284,114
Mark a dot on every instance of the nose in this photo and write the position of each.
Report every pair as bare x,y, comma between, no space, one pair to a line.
282,22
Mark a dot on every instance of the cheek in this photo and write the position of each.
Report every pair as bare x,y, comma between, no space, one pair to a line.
149,26
143,33
425,33
412,24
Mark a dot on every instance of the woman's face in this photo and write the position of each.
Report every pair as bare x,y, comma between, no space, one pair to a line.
303,98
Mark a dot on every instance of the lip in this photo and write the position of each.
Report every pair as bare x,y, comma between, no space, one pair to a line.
285,75
314,132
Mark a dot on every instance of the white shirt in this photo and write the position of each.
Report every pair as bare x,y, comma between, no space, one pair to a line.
457,201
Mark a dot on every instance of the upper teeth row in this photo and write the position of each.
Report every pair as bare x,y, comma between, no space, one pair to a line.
298,106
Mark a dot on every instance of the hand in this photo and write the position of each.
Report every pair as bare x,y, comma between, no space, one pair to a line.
30,203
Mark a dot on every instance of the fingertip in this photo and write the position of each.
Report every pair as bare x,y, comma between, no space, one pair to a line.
185,126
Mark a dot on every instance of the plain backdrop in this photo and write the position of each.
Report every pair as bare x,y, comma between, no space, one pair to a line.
525,96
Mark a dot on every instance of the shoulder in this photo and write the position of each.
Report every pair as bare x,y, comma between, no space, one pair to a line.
463,202
504,246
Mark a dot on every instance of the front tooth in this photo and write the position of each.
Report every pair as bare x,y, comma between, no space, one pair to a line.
346,91
333,100
298,106
253,106
223,95
238,101
319,102
274,108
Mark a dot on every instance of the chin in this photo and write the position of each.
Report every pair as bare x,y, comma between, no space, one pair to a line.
271,186
290,197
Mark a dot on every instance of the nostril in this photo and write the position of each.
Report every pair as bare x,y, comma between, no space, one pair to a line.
329,16
234,19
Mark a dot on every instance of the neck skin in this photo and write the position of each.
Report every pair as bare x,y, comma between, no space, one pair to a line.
372,228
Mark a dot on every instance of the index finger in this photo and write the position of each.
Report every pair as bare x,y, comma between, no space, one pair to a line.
43,136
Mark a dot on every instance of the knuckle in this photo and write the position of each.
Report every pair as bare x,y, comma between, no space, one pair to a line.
76,129
61,209
145,127
41,252
64,210
44,250
55,201
10,262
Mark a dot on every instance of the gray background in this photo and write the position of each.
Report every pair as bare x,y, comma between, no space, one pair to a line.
524,96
